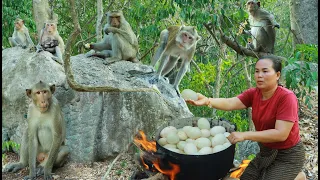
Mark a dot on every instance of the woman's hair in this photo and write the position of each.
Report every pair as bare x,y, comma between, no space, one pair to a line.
276,63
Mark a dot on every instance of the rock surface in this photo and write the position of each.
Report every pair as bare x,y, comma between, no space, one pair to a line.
99,124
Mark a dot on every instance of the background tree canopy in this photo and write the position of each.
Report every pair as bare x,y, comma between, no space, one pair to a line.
217,70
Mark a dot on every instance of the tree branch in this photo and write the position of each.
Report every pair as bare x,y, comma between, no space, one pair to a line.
212,33
244,51
154,45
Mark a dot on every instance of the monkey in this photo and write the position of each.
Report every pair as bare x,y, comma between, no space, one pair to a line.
176,42
20,36
262,28
44,138
51,41
119,41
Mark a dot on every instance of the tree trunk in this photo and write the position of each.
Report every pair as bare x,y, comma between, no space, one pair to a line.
217,84
249,85
304,21
99,20
42,13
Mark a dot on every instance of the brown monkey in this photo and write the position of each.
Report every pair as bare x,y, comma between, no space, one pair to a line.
44,138
51,41
119,41
262,28
20,36
176,42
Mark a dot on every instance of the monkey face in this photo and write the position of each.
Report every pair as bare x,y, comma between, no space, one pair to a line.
18,25
50,28
114,18
187,38
41,95
252,5
115,21
41,98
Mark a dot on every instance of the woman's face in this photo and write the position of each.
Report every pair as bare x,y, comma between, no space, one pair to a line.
265,76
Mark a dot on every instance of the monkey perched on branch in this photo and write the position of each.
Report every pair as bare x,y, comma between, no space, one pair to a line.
44,139
119,41
51,41
20,36
262,25
176,42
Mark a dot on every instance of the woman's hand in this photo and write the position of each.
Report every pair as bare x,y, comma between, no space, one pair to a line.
235,137
202,100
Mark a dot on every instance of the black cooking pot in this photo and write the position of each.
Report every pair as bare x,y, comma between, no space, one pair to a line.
197,167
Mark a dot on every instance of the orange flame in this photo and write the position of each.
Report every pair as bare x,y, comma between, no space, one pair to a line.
238,173
147,145
151,146
171,173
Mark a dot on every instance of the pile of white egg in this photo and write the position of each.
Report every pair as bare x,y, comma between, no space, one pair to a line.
195,140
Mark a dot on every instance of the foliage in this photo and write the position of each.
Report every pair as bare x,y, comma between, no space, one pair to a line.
12,9
7,145
308,52
4,157
124,164
301,73
251,156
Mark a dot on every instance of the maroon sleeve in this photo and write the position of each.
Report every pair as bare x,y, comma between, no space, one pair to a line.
288,108
247,96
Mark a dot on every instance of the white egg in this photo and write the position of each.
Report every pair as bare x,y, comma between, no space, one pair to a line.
190,148
226,134
173,138
182,135
186,128
181,145
218,139
205,150
194,132
218,148
187,94
189,140
165,131
217,130
227,144
174,150
162,141
170,146
203,123
205,133
202,142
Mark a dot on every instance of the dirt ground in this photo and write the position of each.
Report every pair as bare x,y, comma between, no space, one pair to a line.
124,166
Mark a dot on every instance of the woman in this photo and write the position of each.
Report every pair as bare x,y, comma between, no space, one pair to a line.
275,116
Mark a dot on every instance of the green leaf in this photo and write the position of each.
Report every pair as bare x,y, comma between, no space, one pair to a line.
297,55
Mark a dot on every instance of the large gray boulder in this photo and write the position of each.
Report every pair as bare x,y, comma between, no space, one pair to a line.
99,124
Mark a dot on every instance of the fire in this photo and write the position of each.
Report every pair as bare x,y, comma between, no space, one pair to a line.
238,173
171,173
150,146
147,145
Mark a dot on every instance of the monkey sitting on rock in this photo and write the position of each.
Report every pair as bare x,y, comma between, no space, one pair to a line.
119,41
44,139
51,41
262,25
20,36
176,42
